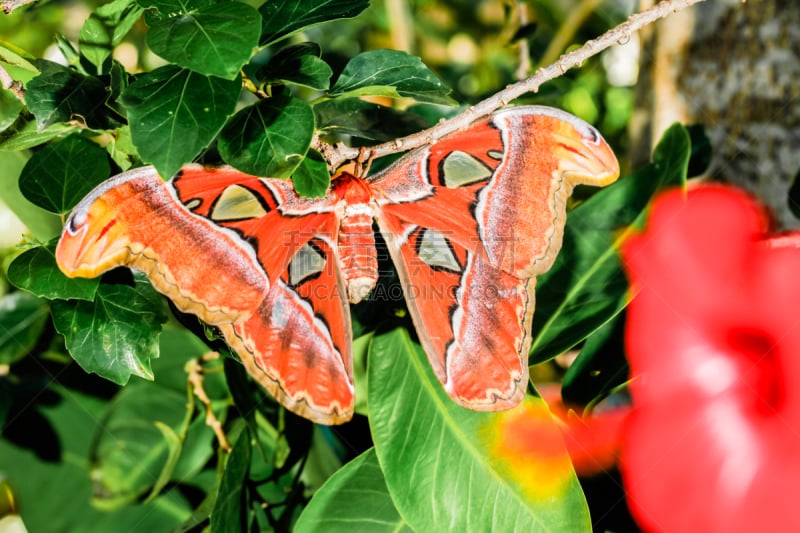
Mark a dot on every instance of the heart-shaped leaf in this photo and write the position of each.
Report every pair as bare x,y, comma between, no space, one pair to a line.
174,113
36,271
56,177
116,335
214,39
269,138
60,94
128,456
312,179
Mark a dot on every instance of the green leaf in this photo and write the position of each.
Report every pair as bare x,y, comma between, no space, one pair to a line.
116,335
452,469
229,513
360,351
56,177
121,148
19,64
268,138
702,151
312,179
210,39
671,155
299,64
42,224
105,29
23,317
586,285
173,454
175,113
60,94
54,492
600,366
24,133
36,271
131,447
281,18
339,504
68,50
390,73
10,108
365,120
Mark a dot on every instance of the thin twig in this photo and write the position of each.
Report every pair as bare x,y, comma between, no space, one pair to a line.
338,154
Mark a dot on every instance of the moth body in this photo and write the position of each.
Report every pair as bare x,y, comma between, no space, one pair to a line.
356,239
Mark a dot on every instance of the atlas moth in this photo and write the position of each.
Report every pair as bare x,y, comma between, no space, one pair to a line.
469,222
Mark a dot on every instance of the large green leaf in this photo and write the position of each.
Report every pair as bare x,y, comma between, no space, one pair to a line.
586,285
60,94
129,451
452,469
56,177
150,435
174,113
281,18
116,335
390,73
340,504
23,316
214,39
36,271
51,479
268,138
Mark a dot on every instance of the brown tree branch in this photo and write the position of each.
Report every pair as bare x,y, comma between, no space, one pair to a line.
10,5
340,153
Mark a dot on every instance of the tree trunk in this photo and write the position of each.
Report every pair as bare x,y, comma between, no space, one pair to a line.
735,68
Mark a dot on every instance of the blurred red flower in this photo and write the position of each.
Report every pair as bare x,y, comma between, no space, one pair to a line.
713,340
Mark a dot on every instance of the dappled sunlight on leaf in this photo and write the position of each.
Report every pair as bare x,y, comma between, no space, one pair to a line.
526,445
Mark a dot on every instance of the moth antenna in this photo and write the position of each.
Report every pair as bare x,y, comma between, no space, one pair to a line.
364,161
